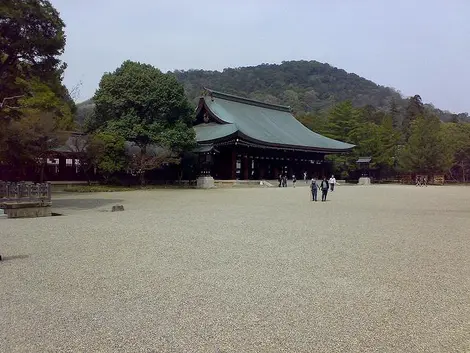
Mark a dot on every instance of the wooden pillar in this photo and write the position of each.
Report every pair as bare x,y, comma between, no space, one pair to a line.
245,168
261,168
62,168
233,164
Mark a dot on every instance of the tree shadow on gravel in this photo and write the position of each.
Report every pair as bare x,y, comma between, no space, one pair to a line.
83,204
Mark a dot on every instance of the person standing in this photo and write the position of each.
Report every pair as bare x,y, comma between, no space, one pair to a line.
418,180
332,182
279,178
305,177
324,188
425,181
294,180
314,188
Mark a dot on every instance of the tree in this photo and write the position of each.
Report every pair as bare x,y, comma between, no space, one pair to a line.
343,119
35,106
414,109
147,108
343,124
425,151
39,127
150,158
394,112
32,40
108,152
378,141
369,129
103,151
315,122
456,137
82,147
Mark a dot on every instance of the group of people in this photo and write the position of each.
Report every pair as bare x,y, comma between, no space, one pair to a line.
421,180
324,185
282,178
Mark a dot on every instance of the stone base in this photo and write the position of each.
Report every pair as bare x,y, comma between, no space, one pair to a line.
27,209
364,181
29,212
205,182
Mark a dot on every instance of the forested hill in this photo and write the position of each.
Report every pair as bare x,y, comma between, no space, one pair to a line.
306,86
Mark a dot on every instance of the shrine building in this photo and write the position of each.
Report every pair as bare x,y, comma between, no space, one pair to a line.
240,138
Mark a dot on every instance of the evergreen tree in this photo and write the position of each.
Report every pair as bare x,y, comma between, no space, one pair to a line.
425,151
414,109
394,112
456,138
343,119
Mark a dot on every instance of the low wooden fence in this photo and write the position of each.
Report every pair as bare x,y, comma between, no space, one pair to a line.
24,192
431,179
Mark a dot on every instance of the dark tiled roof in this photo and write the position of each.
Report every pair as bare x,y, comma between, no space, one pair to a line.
263,123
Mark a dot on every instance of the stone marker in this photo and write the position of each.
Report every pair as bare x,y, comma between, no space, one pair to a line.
205,182
364,181
117,208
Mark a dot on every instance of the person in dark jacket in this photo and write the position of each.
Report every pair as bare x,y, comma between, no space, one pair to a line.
314,188
324,186
284,180
279,178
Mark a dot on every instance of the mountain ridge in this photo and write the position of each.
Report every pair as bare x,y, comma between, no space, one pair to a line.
305,86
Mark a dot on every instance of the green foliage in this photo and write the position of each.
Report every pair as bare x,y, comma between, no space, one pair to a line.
315,122
38,128
31,42
456,137
414,109
343,120
370,130
147,108
35,106
307,86
426,150
97,188
144,106
108,152
43,99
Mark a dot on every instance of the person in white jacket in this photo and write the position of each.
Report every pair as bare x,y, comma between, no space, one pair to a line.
332,183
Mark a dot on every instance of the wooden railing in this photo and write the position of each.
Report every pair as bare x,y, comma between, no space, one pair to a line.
24,192
437,179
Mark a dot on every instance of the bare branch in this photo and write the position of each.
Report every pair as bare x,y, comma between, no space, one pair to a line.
74,92
3,103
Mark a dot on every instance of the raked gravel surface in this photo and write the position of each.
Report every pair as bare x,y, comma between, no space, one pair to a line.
375,269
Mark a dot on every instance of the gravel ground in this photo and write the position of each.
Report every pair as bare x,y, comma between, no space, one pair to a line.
375,269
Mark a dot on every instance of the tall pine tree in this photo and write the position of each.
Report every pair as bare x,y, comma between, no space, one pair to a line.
414,109
425,151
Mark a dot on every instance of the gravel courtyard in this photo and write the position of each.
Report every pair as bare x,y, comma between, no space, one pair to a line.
374,269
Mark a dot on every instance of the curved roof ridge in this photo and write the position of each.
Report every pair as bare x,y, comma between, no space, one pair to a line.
231,97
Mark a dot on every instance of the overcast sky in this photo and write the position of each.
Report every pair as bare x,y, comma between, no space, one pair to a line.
416,46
